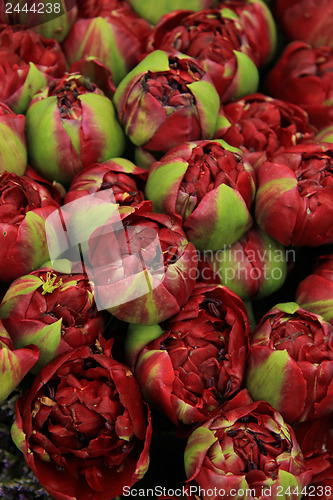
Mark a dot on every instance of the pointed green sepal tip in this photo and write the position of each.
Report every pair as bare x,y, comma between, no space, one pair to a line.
153,11
35,80
222,124
18,437
286,483
288,307
59,265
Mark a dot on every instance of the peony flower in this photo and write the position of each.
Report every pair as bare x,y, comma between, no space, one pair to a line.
216,39
212,187
28,62
54,310
115,35
306,20
142,265
194,362
119,175
291,344
303,75
261,126
82,426
259,27
247,451
166,100
294,202
77,122
25,204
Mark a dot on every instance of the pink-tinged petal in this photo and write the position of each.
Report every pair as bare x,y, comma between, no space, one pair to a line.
277,196
35,80
185,412
97,72
181,126
324,379
138,128
127,387
148,308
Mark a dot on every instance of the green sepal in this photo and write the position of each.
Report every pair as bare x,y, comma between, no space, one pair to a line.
47,339
163,181
87,217
231,222
59,265
128,166
208,105
266,381
18,437
222,123
39,248
41,130
247,75
197,446
34,81
153,11
287,480
229,14
72,129
288,307
13,153
22,286
99,106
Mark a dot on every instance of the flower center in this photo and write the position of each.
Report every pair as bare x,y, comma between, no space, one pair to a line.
170,87
68,91
49,285
208,167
